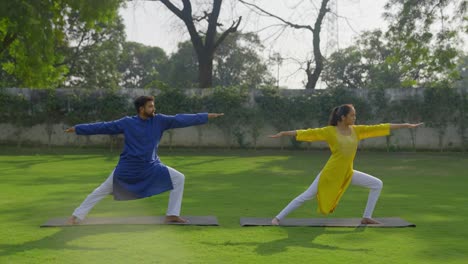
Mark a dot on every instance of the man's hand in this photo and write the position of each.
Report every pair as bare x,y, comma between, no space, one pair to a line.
214,115
70,130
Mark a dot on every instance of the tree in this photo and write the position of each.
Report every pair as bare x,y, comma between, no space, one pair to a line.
345,69
19,111
229,100
409,110
172,101
440,103
6,79
237,62
313,73
384,60
93,61
52,111
205,43
418,50
463,70
277,109
425,38
366,64
31,30
140,65
182,67
82,109
112,106
462,107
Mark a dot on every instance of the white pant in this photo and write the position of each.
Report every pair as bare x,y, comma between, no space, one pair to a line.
359,179
175,196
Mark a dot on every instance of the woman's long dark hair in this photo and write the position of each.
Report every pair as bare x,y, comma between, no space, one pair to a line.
338,112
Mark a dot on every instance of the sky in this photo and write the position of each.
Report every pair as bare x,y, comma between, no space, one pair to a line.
150,23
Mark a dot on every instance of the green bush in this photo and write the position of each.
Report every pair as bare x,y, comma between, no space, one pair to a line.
245,116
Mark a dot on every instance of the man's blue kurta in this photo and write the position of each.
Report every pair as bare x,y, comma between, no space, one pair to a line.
140,173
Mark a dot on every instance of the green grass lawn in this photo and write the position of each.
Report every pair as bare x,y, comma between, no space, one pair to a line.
428,189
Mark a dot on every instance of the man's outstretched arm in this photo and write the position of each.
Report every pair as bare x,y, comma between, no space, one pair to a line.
108,128
186,120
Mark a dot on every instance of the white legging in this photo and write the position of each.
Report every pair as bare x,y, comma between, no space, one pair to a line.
175,196
359,179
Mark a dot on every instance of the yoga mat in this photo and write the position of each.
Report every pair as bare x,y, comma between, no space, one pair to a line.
136,220
327,222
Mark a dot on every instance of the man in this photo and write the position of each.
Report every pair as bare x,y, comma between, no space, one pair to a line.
139,172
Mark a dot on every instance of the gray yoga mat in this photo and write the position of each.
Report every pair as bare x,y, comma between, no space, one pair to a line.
327,222
136,220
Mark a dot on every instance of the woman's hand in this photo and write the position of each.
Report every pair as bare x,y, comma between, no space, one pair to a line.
284,133
280,134
405,125
415,125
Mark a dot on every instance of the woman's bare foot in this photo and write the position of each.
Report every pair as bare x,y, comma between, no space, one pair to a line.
175,219
73,220
369,221
275,221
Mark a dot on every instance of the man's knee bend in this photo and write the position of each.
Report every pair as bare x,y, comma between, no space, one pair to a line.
182,177
179,179
102,190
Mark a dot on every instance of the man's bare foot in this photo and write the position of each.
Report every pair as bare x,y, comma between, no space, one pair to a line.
73,220
275,221
367,221
175,219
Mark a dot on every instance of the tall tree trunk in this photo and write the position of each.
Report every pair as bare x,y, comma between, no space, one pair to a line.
313,76
205,72
205,44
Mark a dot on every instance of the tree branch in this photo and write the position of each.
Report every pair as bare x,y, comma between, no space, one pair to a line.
173,8
308,27
200,18
346,19
9,38
186,16
212,24
231,29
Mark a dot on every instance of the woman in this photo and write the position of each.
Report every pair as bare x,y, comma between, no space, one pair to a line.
343,137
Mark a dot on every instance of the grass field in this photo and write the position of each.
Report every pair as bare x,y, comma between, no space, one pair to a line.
428,189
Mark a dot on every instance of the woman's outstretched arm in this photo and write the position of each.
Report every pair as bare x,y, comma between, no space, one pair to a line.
309,135
405,125
284,133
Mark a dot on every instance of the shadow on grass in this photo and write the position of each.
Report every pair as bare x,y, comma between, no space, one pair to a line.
26,164
297,237
61,239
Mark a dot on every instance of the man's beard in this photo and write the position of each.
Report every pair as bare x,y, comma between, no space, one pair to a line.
151,114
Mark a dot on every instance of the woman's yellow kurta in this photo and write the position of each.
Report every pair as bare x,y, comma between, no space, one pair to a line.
336,175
